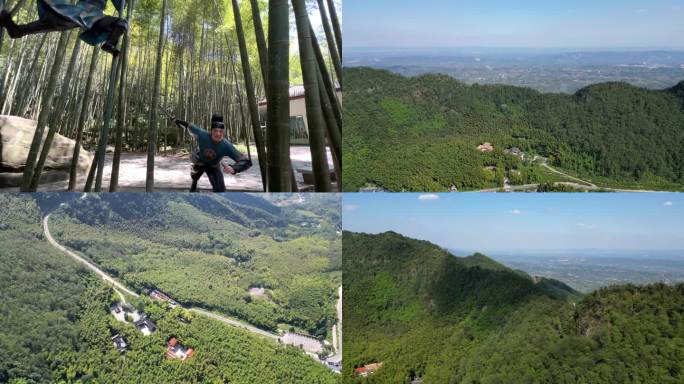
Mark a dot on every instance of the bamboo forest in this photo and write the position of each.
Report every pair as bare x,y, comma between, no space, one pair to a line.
127,95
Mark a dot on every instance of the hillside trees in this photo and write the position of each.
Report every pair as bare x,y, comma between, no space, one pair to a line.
614,133
425,313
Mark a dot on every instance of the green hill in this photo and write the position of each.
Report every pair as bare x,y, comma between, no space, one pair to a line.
421,134
209,250
424,313
55,324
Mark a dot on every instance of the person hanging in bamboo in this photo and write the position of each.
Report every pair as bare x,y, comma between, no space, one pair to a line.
61,15
211,149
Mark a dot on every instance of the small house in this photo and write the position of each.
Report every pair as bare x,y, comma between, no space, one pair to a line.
175,350
515,151
367,369
485,147
119,343
145,325
159,295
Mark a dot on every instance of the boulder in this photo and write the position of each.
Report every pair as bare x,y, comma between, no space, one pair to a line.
16,135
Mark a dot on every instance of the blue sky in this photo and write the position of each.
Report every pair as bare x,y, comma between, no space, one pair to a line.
514,23
495,222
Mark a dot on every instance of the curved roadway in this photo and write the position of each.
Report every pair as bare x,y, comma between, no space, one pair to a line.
118,286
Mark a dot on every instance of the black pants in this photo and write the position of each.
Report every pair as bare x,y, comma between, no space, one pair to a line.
213,173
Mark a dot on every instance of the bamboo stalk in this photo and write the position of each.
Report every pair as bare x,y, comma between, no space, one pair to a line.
121,110
314,114
31,169
278,100
336,26
332,45
109,106
82,118
251,98
152,132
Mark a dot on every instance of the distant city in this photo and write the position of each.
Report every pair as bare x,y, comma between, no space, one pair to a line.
546,70
588,270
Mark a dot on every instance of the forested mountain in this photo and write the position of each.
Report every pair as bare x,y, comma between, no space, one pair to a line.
422,133
55,324
426,314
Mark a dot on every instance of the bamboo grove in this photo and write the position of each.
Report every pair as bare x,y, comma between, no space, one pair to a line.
192,58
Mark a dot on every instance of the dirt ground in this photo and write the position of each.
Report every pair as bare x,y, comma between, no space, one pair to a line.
172,173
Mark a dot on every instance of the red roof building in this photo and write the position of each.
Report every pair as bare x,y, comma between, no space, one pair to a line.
175,350
367,369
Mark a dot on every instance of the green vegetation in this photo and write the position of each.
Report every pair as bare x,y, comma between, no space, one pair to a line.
35,323
421,134
221,353
208,251
425,313
55,324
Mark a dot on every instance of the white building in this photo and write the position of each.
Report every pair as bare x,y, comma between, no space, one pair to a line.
299,132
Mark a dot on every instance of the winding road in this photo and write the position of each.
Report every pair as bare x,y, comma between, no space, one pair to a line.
578,184
583,184
120,287
87,263
337,329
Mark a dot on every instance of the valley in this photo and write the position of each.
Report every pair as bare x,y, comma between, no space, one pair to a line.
545,70
589,271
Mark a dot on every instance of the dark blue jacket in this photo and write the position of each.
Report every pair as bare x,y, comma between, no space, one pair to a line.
85,13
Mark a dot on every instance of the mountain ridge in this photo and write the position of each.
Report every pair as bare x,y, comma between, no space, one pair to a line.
419,311
612,134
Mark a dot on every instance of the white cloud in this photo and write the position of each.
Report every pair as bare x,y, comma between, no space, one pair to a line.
667,204
514,212
351,207
428,196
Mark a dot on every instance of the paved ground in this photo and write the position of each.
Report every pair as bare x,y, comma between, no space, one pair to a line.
337,330
172,173
309,344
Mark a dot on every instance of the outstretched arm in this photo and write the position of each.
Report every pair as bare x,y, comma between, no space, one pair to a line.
180,123
242,163
192,129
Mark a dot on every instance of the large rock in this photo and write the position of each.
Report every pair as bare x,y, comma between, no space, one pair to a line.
16,135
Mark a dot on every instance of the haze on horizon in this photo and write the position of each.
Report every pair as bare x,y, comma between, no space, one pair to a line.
510,222
563,24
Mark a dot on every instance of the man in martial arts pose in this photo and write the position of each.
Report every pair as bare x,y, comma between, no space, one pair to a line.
60,15
212,147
